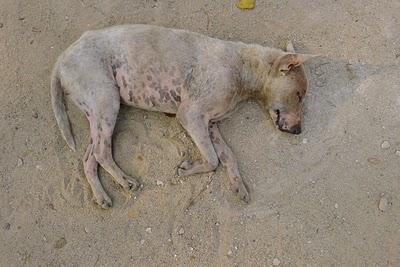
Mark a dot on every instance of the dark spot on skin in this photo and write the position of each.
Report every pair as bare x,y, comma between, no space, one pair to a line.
66,93
140,157
130,95
149,78
164,95
86,157
91,141
176,97
202,116
212,135
105,142
114,69
87,113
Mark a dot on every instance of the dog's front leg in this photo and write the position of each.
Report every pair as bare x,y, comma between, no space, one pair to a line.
197,127
228,159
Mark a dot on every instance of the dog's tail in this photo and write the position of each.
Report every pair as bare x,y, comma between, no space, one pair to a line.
56,92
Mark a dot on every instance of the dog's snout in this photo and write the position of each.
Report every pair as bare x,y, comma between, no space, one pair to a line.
296,129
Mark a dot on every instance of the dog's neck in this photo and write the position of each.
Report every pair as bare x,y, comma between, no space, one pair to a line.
256,70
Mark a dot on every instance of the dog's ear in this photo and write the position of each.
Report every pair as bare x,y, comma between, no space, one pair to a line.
285,63
290,47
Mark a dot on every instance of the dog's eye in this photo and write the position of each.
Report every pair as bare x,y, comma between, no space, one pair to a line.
299,96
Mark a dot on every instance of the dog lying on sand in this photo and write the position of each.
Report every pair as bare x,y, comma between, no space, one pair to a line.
198,78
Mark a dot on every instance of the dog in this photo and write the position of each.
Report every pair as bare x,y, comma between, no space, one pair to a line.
198,78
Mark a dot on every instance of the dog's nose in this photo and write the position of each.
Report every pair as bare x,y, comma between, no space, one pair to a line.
296,129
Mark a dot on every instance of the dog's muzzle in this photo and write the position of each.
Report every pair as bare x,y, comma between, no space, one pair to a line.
294,130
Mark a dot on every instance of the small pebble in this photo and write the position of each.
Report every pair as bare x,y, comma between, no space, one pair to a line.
397,153
20,162
142,242
148,230
35,115
181,231
60,243
86,230
1,25
230,253
159,183
383,204
385,145
336,205
276,262
305,141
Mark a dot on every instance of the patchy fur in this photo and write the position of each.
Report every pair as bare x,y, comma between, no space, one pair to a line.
198,78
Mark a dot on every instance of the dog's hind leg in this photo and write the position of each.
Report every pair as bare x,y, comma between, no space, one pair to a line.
90,166
228,160
102,122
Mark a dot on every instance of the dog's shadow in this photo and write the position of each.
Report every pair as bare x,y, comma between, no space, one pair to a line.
332,83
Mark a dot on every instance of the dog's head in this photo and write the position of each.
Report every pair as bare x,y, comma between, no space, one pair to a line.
286,90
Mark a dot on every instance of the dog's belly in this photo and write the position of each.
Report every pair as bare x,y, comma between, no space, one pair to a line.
151,88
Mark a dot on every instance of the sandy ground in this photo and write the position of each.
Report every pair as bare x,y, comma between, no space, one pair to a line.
315,197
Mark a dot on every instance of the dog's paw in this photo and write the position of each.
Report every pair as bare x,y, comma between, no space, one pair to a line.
104,202
184,167
240,190
131,184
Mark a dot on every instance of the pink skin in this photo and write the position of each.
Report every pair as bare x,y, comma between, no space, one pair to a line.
200,79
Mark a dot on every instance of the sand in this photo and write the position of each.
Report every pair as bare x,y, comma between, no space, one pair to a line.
329,197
